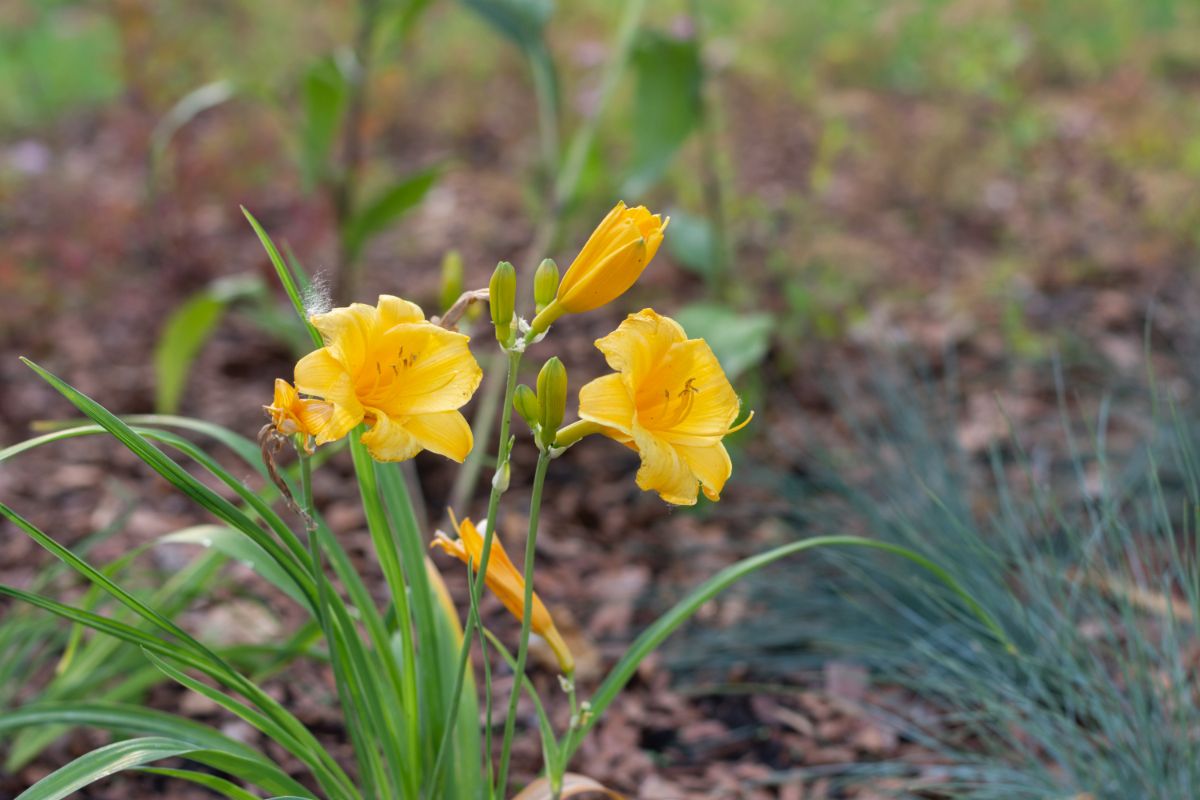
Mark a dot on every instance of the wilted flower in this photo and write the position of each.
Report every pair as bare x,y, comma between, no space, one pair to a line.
613,258
507,583
291,414
406,377
669,400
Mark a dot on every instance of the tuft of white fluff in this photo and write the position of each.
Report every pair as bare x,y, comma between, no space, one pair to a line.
317,297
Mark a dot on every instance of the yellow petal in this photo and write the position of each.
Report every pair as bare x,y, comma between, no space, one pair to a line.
315,416
394,311
703,403
639,343
663,470
612,259
389,441
595,247
711,465
605,280
445,433
434,370
606,402
319,374
348,333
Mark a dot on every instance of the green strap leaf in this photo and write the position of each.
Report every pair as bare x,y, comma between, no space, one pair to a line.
105,761
285,277
668,623
219,785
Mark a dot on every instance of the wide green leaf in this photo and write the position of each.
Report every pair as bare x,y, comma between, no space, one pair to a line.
739,339
522,21
325,92
186,331
667,106
388,206
693,243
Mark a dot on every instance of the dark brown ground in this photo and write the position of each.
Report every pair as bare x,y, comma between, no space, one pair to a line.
924,234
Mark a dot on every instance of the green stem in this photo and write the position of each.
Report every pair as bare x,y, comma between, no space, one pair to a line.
510,719
514,363
581,143
389,561
654,636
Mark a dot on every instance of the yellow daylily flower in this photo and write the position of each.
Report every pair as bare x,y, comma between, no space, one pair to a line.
615,254
291,414
670,401
406,377
507,583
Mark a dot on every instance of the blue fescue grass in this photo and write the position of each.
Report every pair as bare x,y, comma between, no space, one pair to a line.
1087,558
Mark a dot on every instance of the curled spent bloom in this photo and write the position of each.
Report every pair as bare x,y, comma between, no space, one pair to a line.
507,583
670,401
613,258
401,374
291,414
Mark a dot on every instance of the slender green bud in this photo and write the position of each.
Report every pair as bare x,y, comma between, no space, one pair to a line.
452,279
552,400
502,297
526,404
545,284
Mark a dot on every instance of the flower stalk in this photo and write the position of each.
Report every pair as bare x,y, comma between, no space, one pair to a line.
510,719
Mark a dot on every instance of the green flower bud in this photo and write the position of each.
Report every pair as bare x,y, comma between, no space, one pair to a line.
502,297
545,284
552,400
452,279
526,404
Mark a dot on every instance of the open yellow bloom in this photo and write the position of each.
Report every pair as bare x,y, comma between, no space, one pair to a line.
291,414
615,254
507,583
387,365
669,400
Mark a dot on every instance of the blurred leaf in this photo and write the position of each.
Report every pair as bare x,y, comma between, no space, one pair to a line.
325,94
692,242
186,331
235,545
387,207
667,106
739,340
522,21
190,106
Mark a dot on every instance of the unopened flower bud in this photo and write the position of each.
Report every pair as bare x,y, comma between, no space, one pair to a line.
502,297
552,400
452,279
545,284
526,404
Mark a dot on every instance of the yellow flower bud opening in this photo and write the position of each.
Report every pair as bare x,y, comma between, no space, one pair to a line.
613,258
388,366
507,583
292,414
670,401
